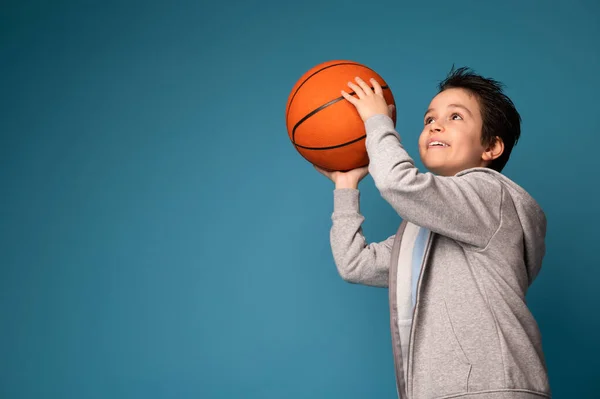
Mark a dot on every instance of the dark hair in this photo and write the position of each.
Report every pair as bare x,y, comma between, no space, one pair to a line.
499,115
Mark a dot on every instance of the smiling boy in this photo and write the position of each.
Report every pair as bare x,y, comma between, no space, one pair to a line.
470,244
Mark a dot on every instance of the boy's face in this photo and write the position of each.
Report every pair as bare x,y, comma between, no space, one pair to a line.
451,139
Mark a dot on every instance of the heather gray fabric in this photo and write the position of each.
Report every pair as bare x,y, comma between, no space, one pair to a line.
472,334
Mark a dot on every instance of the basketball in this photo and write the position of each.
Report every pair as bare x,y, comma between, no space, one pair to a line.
323,126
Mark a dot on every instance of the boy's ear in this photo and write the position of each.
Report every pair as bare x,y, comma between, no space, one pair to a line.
494,150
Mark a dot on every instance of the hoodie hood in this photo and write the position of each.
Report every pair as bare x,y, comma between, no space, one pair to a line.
532,219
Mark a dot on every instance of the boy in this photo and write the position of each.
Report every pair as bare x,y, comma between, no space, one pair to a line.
470,244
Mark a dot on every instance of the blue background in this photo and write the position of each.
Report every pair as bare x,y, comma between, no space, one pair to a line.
161,238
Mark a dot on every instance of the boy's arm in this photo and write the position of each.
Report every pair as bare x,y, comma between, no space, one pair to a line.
357,262
465,208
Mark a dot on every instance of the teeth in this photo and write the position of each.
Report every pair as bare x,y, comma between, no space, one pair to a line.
434,143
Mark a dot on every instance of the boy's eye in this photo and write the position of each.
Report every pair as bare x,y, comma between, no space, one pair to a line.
454,116
428,120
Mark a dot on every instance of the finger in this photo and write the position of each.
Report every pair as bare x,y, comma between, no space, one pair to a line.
321,171
363,85
359,92
353,100
376,87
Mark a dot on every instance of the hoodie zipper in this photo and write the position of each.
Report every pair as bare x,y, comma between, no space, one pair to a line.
409,384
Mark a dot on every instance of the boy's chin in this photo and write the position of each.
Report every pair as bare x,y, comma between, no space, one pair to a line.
439,170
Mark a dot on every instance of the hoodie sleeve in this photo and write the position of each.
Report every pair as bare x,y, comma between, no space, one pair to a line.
465,207
357,262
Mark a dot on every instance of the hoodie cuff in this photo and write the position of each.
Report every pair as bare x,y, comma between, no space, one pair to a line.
379,122
346,200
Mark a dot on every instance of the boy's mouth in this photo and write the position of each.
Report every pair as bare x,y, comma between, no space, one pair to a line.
437,144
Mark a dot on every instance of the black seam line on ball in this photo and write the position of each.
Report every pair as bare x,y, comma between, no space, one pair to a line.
321,108
313,74
333,146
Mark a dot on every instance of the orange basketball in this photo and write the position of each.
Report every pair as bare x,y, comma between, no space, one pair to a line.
324,127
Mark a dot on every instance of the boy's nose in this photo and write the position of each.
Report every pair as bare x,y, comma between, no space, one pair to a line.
436,127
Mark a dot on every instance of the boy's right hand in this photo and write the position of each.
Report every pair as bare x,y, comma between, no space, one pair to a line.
349,179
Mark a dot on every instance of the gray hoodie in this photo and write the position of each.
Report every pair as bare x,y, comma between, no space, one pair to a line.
471,332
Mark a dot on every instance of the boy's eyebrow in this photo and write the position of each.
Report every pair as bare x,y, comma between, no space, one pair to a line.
451,105
461,106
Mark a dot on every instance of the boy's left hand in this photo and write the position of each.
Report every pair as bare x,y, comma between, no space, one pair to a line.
370,101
